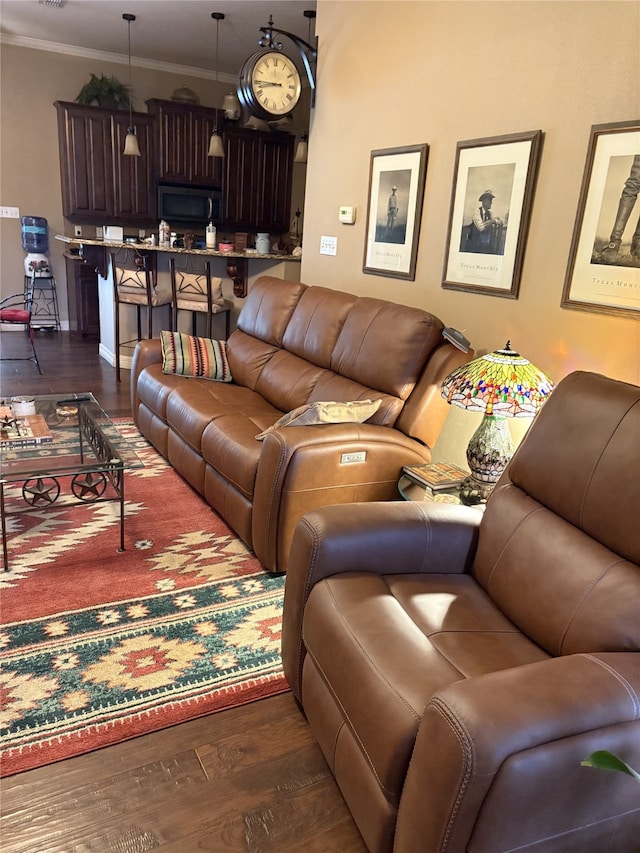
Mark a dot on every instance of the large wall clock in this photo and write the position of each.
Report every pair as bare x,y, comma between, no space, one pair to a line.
269,85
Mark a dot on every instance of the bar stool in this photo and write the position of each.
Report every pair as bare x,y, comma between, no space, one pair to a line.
197,292
134,283
44,300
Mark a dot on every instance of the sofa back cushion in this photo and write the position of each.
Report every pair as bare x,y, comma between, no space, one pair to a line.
316,323
296,344
385,346
559,543
261,326
268,309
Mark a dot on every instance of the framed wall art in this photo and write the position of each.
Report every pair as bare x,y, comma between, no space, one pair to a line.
493,185
396,190
603,273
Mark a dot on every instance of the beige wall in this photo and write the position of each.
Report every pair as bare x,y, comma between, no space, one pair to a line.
401,73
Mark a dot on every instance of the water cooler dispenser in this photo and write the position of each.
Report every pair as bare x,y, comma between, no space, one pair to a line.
38,275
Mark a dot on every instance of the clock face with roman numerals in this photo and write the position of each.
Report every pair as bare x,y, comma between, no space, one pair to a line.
269,84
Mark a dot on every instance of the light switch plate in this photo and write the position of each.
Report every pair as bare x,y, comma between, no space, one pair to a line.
9,212
328,245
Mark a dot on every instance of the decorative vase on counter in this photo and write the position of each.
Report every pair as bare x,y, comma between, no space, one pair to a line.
263,245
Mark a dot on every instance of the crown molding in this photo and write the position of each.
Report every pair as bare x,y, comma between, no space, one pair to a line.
116,58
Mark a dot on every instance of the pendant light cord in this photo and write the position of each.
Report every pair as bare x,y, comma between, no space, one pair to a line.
130,79
128,18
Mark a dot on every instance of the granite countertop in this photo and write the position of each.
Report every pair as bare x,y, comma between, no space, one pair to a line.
80,241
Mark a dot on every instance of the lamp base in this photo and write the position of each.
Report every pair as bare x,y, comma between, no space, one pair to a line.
473,492
488,453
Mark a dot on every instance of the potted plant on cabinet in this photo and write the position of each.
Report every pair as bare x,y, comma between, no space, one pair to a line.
107,92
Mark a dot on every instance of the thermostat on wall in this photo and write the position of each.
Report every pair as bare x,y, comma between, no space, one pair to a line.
347,215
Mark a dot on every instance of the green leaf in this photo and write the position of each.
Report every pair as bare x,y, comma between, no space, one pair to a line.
604,760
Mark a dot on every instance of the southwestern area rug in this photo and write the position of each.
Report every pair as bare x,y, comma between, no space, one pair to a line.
98,646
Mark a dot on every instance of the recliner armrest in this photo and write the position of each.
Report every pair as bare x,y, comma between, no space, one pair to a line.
511,738
392,538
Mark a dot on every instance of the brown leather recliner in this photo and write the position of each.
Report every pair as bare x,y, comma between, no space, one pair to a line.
456,667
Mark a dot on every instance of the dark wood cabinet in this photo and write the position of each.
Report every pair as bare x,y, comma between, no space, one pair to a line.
182,134
99,184
274,205
258,172
134,177
240,186
84,136
82,298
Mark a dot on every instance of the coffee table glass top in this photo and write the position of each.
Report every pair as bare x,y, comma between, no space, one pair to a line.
84,438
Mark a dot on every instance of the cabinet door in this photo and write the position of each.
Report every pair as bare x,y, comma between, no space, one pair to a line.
182,143
275,189
134,181
82,299
84,136
173,140
99,184
241,178
205,170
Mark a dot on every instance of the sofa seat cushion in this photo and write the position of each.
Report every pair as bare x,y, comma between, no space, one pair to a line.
220,422
385,659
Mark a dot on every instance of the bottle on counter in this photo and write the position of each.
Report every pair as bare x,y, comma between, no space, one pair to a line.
263,245
164,234
211,236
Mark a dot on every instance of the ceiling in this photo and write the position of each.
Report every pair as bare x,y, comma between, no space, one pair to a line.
165,32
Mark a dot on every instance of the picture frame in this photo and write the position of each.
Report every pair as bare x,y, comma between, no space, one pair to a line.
397,179
485,243
603,270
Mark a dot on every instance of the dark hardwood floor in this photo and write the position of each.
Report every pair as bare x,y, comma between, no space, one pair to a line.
248,779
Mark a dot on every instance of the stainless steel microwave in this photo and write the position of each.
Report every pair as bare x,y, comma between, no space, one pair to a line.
188,205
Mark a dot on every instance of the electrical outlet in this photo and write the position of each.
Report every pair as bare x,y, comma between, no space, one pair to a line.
328,245
77,230
10,212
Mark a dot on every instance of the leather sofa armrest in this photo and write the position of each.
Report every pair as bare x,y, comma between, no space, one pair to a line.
304,468
501,741
383,538
146,352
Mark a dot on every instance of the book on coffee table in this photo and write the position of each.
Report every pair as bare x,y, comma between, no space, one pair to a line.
436,475
24,431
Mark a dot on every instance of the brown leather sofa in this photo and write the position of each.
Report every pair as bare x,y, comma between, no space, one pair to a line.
456,668
295,345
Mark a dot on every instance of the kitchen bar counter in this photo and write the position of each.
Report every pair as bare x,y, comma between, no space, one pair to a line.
236,261
242,268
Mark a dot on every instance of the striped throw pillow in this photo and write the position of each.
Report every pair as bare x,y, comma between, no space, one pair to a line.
187,355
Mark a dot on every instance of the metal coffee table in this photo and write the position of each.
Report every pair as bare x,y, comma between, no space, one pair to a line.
83,464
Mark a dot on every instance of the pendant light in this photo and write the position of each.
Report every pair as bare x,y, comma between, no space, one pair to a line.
131,147
302,149
216,149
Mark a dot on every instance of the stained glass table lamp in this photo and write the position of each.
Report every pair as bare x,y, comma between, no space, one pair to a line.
502,384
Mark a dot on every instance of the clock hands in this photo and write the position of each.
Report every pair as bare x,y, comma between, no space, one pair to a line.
266,83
